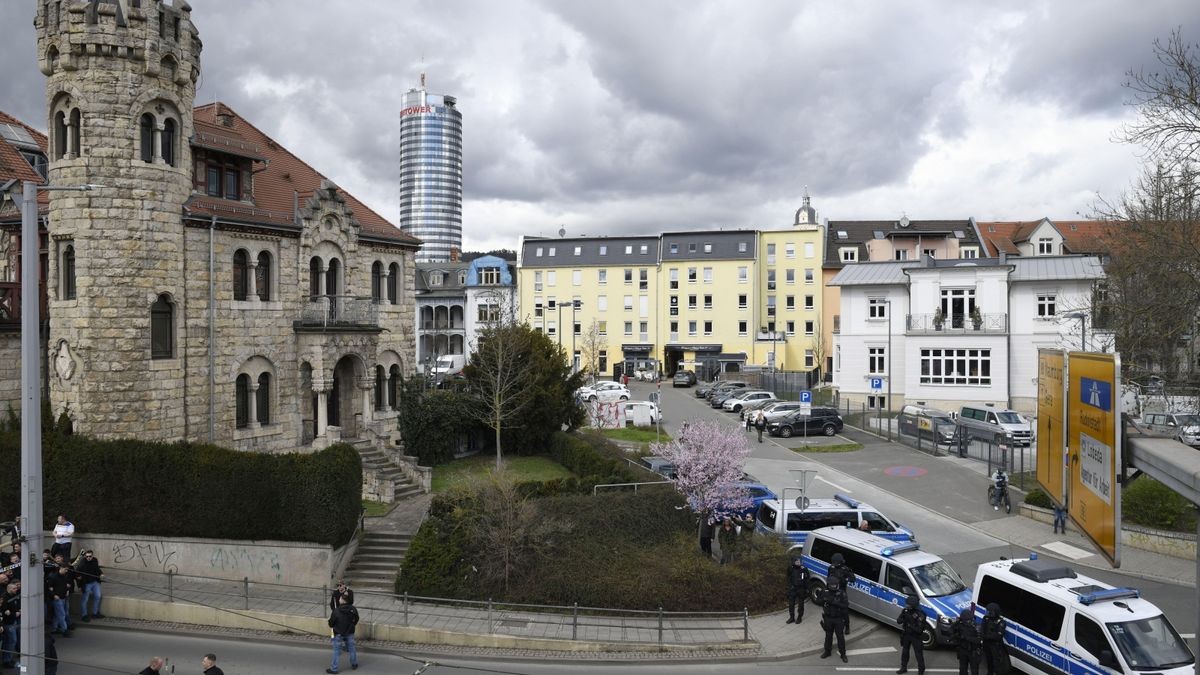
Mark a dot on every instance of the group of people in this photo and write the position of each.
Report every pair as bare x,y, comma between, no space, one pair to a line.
975,643
728,535
756,419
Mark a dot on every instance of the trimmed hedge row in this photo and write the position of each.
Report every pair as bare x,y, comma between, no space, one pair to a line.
192,490
1145,502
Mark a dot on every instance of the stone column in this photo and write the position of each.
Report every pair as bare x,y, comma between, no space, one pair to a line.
387,388
383,287
252,408
158,129
71,149
367,386
321,278
252,284
322,411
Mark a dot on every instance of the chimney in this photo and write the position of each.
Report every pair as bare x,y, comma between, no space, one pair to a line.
454,254
224,116
1003,258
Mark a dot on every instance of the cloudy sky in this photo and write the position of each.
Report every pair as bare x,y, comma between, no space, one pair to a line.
639,116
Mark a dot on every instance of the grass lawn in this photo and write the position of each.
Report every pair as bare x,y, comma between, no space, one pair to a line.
478,466
635,434
374,508
840,447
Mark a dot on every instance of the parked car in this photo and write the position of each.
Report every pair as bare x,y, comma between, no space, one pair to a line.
718,398
725,388
683,378
928,423
1183,428
736,403
825,421
661,466
751,406
774,411
603,391
632,406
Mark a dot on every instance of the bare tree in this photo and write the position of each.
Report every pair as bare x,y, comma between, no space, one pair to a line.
818,349
509,530
500,380
590,346
1168,103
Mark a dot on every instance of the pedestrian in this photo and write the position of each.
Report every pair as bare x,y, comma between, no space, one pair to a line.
60,562
342,590
50,655
58,588
966,641
912,625
832,621
707,527
995,654
10,624
760,423
343,622
89,575
209,663
750,417
727,539
63,531
1060,518
14,566
156,665
797,592
841,576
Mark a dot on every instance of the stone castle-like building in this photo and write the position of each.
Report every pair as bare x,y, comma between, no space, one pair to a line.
216,287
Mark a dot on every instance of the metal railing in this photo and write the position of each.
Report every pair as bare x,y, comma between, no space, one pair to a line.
596,488
484,617
327,310
956,323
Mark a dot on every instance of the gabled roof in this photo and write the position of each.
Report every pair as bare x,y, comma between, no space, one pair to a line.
856,233
449,285
1088,236
275,183
1003,236
1079,236
14,167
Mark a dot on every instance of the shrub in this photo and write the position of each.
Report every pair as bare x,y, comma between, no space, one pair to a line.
192,490
433,421
1038,497
1150,503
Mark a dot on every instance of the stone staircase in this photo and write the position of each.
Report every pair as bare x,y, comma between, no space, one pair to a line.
377,560
375,459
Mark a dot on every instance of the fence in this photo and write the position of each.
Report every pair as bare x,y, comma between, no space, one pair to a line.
926,436
786,385
482,617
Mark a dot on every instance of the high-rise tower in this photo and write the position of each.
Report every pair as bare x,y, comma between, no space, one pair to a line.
121,81
431,172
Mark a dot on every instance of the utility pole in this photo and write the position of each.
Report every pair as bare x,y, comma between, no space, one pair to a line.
33,601
888,306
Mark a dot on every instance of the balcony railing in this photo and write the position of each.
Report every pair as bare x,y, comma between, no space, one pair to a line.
340,310
442,325
957,324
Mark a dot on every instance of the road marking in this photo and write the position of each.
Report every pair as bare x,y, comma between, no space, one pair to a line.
1188,636
839,487
870,650
1066,550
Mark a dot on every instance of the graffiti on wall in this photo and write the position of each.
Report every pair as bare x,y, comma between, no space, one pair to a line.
258,564
155,556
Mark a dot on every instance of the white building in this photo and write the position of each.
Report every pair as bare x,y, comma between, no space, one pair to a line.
948,332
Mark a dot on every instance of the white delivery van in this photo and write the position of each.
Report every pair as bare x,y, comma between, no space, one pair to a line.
1062,622
793,519
887,571
450,364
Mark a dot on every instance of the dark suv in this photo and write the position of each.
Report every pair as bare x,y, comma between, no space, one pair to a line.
822,421
683,378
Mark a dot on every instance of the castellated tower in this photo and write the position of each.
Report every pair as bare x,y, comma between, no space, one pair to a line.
120,89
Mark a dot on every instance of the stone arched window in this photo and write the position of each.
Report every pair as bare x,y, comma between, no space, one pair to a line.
73,147
146,144
60,134
377,281
68,272
242,401
393,282
168,140
262,276
380,381
393,386
314,278
333,277
162,328
241,274
262,398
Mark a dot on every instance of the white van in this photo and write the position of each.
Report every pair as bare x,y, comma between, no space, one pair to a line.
887,571
450,364
786,519
1063,622
986,423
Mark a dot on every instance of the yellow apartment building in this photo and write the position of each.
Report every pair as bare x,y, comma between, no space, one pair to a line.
791,299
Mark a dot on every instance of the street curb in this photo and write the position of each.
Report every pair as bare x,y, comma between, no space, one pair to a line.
858,635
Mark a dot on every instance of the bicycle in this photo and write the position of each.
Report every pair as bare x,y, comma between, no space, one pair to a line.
993,500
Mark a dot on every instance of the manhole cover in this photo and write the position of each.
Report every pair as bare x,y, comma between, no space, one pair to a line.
514,623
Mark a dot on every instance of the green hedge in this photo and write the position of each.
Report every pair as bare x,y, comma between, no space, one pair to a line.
1150,503
1038,497
192,490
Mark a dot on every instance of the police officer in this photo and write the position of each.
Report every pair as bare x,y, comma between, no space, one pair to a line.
797,590
967,642
833,620
841,576
912,624
995,654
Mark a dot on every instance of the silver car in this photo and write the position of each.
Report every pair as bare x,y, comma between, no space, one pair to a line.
1183,428
777,411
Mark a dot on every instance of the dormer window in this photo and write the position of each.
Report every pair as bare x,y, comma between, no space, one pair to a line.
462,278
219,177
489,275
435,278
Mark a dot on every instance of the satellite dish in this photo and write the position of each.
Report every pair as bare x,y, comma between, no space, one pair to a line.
562,232
904,221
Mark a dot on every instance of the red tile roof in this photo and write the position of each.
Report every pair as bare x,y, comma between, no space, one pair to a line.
1004,236
274,185
13,165
1087,236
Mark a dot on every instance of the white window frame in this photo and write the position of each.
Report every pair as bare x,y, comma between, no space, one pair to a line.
692,275
808,275
848,254
789,327
628,304
1047,305
770,254
604,249
810,302
708,275
877,360
743,275
708,248
876,309
673,277
1045,246
551,278
968,252
628,328
789,250
692,328
808,249
708,301
629,250
708,327
551,251
789,302
576,277
743,327
947,363
789,276
578,250
692,302
537,281
601,303
602,277
809,327
809,359
743,301
742,247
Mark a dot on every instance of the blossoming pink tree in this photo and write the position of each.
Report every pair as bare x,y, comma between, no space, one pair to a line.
708,460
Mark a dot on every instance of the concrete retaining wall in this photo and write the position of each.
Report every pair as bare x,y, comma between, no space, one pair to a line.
1166,542
276,562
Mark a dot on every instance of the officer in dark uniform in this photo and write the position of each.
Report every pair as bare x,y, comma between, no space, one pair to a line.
912,624
797,591
844,576
995,654
833,620
967,643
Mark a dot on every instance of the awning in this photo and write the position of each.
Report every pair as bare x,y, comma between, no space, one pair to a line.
732,356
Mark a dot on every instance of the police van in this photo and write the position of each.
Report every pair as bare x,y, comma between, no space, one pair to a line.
887,571
794,519
1063,622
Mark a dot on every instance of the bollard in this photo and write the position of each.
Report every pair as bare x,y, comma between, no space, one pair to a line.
246,591
575,621
170,586
660,625
405,608
746,624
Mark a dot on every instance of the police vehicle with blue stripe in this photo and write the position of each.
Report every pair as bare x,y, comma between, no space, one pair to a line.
1062,622
887,572
793,519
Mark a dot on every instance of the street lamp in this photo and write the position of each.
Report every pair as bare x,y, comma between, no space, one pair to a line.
33,607
575,305
1082,316
887,305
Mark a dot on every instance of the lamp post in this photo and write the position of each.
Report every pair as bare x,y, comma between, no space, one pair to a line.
33,607
1082,316
887,304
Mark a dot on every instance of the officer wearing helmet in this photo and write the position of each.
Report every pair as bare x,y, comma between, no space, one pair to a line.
797,591
912,625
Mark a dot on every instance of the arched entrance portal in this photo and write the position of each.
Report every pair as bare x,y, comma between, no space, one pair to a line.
343,402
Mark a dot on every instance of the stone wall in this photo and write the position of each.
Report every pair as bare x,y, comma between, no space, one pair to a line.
10,373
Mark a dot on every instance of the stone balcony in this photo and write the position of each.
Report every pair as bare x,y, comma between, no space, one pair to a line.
339,311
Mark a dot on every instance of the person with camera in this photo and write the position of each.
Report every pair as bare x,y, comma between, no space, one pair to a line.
343,621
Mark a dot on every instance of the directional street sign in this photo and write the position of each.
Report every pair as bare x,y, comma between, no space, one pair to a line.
877,383
805,396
